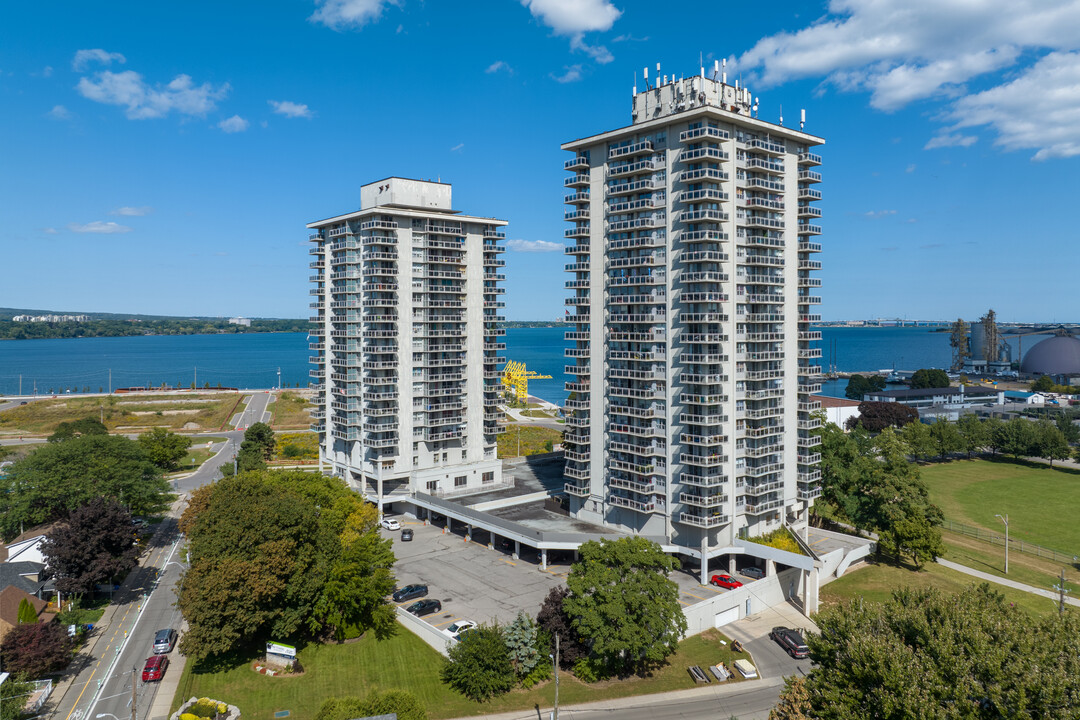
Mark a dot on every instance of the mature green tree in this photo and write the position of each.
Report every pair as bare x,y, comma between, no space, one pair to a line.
946,438
928,654
13,693
479,666
857,386
1051,443
1017,437
918,438
262,435
251,457
993,429
876,416
56,478
96,545
35,649
78,428
406,705
553,620
521,637
844,465
623,604
1069,429
1043,384
282,555
925,378
794,703
26,612
165,449
973,433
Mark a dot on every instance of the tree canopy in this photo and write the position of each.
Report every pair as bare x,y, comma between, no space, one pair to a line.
859,385
623,605
283,555
876,416
165,449
76,428
924,653
925,378
56,478
95,545
12,688
553,621
35,649
479,666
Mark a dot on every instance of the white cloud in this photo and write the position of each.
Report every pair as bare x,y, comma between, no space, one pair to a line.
630,38
534,246
83,58
950,140
902,52
142,101
59,112
47,71
128,211
290,109
234,124
499,65
572,74
459,146
874,214
50,231
910,168
1040,109
574,18
343,14
102,228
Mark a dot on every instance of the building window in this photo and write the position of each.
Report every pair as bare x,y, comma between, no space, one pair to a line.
416,461
459,481
489,477
432,486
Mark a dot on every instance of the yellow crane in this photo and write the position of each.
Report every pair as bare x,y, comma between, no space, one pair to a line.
516,379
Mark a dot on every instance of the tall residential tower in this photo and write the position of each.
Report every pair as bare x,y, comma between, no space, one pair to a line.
692,297
407,382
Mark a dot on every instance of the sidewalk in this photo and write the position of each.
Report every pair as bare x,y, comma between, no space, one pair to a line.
1050,594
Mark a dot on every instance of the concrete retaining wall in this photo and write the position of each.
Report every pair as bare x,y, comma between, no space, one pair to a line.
761,594
429,634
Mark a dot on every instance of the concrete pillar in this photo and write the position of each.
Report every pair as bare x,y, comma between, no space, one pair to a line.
704,579
517,549
468,533
770,568
449,524
810,591
576,557
731,564
543,559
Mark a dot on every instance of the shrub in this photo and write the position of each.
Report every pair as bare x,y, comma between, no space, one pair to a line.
589,670
479,665
780,539
537,675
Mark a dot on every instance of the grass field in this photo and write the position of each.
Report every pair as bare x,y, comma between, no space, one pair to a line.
1038,499
533,440
405,662
121,412
875,583
296,447
1035,571
290,410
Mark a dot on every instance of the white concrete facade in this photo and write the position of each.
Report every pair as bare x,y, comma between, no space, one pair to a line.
692,297
407,347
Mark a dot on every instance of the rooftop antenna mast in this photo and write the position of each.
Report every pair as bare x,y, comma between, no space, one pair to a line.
802,118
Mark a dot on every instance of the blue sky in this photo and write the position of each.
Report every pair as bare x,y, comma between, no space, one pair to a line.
163,157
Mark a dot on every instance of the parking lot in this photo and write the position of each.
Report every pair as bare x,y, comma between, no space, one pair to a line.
472,581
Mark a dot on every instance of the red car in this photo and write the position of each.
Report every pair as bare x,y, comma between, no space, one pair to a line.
725,581
155,668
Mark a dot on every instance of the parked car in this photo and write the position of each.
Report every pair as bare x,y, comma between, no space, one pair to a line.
424,607
390,524
791,641
752,571
725,581
406,535
164,641
409,592
154,669
458,629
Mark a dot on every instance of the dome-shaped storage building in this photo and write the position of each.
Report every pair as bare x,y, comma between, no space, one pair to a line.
1059,355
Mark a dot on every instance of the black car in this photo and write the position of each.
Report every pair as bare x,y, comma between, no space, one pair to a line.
791,641
409,592
424,607
406,535
752,571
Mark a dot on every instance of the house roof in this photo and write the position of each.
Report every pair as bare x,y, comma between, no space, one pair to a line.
14,575
39,531
11,598
835,402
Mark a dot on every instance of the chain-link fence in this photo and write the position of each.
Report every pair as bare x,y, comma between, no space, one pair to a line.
1014,544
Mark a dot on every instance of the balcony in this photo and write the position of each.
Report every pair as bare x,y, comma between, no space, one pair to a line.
636,505
635,168
768,146
578,198
378,224
704,153
576,181
808,229
704,132
577,490
702,174
702,501
809,176
577,163
703,521
760,508
809,247
714,460
809,158
625,151
703,480
576,472
581,231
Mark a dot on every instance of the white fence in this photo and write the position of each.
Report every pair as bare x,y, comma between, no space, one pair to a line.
738,603
428,633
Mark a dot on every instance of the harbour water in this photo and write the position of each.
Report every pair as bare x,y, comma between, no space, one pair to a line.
253,360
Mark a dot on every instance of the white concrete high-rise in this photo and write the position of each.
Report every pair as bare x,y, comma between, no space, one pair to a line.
691,301
407,346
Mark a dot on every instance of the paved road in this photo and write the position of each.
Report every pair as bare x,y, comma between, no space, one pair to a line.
123,639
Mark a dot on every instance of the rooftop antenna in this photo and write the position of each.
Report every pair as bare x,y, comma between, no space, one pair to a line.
802,118
723,76
635,85
756,101
715,70
647,78
781,115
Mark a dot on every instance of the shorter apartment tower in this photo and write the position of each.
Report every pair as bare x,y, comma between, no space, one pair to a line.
407,346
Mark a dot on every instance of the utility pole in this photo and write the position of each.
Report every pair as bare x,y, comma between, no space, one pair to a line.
110,381
279,378
556,676
1005,519
134,675
1060,587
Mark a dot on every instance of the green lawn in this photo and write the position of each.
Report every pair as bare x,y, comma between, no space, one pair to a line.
1034,571
534,440
876,582
405,662
1038,499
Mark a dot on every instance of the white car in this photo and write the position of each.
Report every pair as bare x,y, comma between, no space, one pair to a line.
390,524
459,627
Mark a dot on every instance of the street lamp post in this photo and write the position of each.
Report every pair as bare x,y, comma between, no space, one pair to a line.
1005,519
555,666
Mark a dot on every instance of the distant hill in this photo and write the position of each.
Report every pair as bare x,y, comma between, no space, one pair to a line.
8,313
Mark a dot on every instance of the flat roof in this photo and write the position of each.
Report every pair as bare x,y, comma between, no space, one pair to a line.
834,402
406,210
931,392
